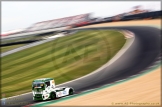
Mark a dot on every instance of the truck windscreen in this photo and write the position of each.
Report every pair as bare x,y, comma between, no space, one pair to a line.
38,84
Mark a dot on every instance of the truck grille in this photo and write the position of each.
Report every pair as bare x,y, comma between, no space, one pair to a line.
37,92
38,95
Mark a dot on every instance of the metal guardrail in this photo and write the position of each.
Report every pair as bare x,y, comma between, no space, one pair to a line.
21,35
25,47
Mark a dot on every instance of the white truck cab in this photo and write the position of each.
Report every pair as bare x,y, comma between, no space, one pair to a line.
44,89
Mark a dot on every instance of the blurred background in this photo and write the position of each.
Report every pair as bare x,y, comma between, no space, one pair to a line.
37,37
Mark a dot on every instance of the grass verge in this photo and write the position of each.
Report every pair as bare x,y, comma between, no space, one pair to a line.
63,59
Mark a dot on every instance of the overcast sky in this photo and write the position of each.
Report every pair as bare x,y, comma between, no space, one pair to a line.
17,15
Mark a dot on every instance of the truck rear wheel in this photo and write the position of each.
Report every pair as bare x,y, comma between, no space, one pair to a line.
71,92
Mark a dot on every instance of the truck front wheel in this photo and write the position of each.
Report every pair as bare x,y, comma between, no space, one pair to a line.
53,96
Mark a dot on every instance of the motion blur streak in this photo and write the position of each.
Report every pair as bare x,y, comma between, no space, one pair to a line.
141,54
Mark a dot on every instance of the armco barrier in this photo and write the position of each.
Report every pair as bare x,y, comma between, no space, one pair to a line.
16,43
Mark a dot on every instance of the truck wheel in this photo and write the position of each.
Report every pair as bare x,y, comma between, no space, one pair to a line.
71,92
53,96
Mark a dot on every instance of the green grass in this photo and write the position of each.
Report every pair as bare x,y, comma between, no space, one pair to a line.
8,48
63,59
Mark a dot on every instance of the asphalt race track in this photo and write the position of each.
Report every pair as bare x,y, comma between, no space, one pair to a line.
141,54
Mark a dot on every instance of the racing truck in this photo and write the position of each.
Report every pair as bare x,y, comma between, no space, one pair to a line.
45,88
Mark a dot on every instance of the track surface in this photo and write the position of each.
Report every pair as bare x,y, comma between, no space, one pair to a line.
142,53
